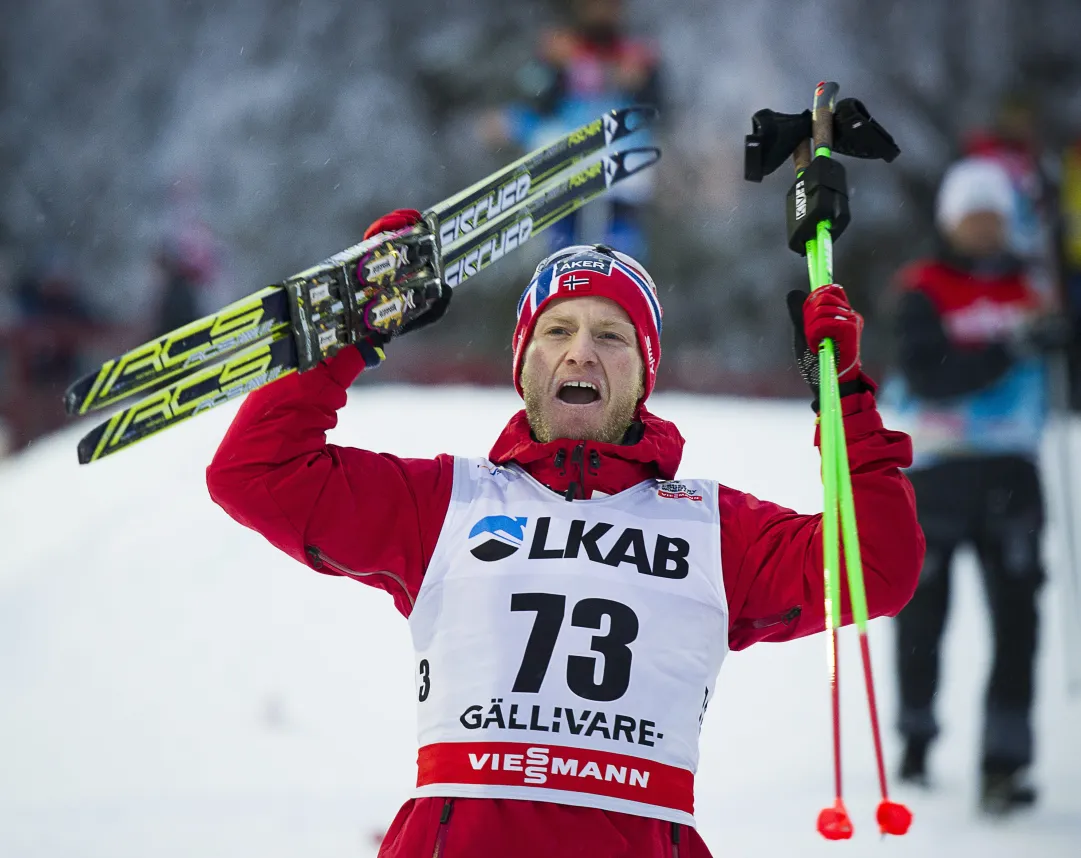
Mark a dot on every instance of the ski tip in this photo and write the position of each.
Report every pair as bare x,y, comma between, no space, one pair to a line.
624,121
639,115
90,447
624,164
72,400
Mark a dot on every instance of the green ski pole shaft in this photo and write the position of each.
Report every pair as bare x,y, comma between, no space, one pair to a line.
822,121
818,213
834,822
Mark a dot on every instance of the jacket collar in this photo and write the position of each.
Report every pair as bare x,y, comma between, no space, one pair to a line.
577,469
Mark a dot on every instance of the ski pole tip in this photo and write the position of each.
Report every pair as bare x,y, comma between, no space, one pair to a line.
893,817
834,822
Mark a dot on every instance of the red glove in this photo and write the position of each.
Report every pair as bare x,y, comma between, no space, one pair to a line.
393,221
826,313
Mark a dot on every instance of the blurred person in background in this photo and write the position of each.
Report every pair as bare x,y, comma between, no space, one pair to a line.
1015,142
581,70
45,344
187,261
185,271
972,331
1070,225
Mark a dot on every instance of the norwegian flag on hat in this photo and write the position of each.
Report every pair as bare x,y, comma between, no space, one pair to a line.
599,271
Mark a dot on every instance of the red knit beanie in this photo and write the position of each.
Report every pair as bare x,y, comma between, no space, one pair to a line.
584,270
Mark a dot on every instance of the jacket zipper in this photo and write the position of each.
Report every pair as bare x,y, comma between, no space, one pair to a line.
444,826
772,620
675,840
319,559
577,458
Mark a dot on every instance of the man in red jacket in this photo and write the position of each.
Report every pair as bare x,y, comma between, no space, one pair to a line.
570,602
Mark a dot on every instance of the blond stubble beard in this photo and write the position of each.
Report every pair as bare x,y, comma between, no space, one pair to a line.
616,423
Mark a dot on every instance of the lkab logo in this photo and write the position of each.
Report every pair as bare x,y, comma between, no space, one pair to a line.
496,537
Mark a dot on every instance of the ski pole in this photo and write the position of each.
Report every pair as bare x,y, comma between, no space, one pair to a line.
817,214
834,822
1070,601
893,818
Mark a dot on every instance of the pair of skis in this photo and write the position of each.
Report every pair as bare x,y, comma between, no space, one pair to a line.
374,286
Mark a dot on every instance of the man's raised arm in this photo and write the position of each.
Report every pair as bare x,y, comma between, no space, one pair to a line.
340,510
773,557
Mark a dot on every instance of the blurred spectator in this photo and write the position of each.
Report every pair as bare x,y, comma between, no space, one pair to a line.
1071,221
42,344
1015,142
972,331
185,271
187,262
1070,225
581,70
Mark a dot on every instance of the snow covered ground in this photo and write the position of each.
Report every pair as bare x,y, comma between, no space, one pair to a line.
172,686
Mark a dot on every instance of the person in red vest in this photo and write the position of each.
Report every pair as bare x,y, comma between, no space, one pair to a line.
570,598
971,333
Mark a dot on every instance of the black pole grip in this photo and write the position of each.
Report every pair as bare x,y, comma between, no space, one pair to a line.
819,193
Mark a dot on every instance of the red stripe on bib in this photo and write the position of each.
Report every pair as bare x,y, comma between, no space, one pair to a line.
553,767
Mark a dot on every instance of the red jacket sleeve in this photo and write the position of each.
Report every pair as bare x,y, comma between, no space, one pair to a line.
772,556
342,511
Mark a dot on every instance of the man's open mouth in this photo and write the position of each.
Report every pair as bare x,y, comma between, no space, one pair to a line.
578,392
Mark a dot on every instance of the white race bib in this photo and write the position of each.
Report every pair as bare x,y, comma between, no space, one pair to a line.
566,651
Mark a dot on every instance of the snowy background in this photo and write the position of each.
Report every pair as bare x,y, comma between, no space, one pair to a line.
170,685
289,125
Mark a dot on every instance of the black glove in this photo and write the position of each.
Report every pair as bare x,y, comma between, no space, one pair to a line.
433,294
396,291
426,297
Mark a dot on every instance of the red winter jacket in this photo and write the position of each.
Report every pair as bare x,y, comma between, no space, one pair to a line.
375,517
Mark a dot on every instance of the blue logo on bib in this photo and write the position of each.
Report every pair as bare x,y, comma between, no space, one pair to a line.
504,537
